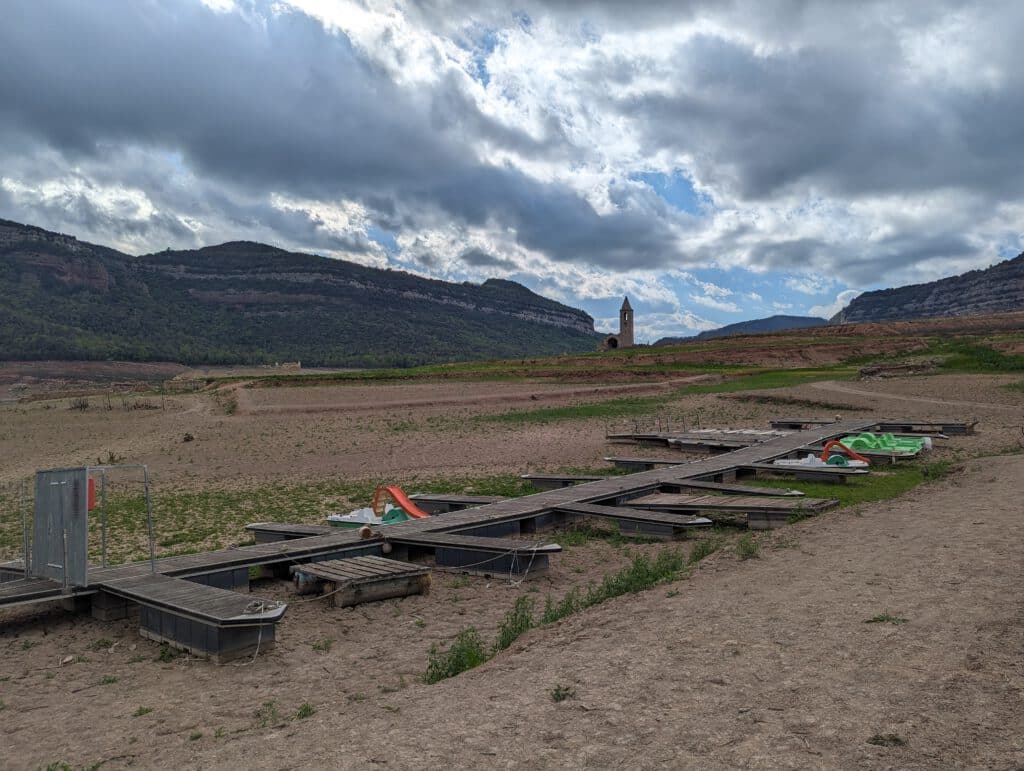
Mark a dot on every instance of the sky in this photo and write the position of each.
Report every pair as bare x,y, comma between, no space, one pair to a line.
714,161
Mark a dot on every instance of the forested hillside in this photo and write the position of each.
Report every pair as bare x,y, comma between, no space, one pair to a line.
250,303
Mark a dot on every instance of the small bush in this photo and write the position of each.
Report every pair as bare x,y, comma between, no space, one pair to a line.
747,548
306,710
142,711
562,692
267,715
167,653
108,680
324,645
466,652
79,403
195,736
101,644
516,622
704,548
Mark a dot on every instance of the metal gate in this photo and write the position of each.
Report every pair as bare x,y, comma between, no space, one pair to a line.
60,535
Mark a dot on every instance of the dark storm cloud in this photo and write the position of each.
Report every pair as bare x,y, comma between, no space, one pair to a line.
840,120
478,258
284,105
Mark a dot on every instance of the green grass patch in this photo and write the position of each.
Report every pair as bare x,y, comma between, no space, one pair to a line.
584,532
741,379
189,521
884,482
517,622
469,649
705,547
268,715
561,693
466,652
972,356
748,548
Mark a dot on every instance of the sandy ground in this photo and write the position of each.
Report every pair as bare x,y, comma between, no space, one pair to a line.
405,431
757,663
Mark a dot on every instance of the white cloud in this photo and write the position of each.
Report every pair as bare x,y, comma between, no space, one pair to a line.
831,309
809,284
715,303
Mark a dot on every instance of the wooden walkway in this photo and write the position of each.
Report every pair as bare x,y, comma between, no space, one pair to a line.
226,568
737,503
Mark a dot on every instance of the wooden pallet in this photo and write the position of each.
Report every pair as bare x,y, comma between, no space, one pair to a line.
357,580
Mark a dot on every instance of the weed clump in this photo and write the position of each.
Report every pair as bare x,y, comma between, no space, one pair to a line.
747,548
267,715
562,692
704,548
516,622
466,652
468,649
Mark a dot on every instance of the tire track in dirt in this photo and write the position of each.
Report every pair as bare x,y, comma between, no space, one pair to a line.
246,406
831,385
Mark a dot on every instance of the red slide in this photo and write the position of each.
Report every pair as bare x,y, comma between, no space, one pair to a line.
838,446
399,498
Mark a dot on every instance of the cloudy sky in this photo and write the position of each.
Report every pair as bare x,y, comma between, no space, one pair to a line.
716,161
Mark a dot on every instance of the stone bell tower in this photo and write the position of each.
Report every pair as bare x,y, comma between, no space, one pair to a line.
625,324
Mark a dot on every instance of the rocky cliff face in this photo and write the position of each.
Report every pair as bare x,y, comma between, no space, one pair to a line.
999,289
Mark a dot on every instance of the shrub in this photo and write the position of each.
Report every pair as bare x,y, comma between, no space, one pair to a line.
516,622
466,652
747,548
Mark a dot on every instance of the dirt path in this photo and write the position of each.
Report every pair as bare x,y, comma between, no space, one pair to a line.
356,398
833,386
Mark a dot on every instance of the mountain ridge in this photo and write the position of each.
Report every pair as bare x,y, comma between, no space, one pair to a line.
246,302
776,323
997,289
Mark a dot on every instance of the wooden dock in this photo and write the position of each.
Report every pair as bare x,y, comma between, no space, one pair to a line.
762,512
441,504
558,481
204,620
721,487
834,474
482,555
649,524
497,524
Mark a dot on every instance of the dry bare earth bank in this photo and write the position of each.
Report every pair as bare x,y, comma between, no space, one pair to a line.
761,663
766,662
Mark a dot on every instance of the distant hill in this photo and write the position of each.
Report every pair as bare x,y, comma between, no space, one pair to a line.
242,303
999,289
752,327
